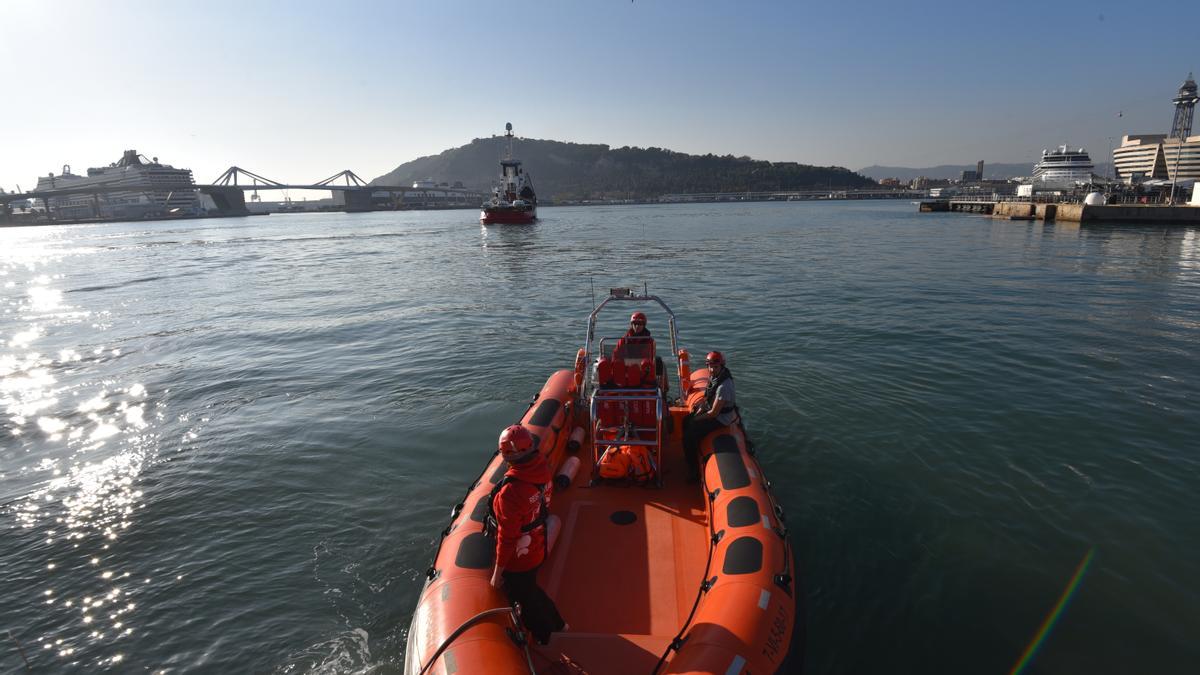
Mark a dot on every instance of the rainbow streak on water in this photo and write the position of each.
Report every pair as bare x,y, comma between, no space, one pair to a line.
1054,615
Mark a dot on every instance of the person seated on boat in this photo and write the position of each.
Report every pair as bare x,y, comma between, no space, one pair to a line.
719,409
517,513
638,344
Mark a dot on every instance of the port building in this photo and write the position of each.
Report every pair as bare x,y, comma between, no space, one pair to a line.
1172,157
1152,157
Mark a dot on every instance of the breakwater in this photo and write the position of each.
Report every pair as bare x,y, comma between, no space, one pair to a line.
1072,213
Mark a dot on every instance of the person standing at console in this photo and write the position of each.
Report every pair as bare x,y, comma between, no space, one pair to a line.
517,512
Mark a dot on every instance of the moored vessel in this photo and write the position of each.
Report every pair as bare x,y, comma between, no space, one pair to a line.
513,200
1063,168
654,574
132,187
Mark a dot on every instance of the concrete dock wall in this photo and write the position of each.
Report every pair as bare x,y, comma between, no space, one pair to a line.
1071,213
1010,209
1178,215
1075,213
1130,213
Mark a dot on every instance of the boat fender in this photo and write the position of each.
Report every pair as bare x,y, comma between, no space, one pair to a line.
685,371
566,474
553,529
576,440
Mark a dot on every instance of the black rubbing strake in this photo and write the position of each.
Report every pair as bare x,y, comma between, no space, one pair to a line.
476,552
545,413
744,556
724,443
742,511
498,473
733,471
480,510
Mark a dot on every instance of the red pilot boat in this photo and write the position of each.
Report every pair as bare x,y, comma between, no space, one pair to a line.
513,201
655,575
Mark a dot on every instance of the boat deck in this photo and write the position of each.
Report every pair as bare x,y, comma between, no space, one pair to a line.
625,589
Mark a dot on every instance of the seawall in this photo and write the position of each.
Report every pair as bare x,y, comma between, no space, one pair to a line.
1156,214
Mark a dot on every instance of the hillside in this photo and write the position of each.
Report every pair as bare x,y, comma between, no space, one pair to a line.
577,171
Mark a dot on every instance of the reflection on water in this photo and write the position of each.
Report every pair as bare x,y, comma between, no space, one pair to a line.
75,443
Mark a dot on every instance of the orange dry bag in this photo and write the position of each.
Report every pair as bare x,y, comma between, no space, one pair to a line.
614,463
641,469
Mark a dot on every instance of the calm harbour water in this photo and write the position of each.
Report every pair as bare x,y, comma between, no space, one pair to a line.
230,445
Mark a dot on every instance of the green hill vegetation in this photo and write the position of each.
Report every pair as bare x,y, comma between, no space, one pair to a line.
566,171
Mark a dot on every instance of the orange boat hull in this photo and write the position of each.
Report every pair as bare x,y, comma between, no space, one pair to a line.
635,570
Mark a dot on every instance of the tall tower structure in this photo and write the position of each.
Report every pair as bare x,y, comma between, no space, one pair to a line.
1185,105
1181,128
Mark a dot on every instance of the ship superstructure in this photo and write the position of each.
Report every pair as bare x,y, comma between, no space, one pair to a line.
513,199
1063,168
129,188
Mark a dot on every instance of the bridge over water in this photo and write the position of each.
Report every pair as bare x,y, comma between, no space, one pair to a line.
228,191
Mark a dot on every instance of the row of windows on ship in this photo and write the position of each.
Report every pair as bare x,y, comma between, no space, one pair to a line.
108,201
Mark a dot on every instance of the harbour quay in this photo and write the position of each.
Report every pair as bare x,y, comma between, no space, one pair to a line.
1072,212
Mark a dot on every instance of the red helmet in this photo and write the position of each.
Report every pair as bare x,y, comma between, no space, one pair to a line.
715,357
515,442
637,316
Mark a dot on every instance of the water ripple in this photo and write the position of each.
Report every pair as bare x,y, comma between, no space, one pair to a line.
231,445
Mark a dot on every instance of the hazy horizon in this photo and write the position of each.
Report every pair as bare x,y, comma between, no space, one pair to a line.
299,91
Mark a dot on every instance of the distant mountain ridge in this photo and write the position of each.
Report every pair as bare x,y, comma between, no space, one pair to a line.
562,170
997,171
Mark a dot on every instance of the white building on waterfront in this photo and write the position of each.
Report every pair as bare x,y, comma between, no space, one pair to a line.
1160,156
1153,156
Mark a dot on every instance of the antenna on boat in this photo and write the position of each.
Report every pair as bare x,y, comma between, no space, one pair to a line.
592,283
509,135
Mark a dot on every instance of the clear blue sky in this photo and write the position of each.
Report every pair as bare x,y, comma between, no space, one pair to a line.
300,90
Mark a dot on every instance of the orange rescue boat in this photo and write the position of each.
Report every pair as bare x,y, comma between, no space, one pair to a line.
654,575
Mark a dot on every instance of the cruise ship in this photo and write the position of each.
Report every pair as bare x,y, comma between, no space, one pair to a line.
148,189
1063,168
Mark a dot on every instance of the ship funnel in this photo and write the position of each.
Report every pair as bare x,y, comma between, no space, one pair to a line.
130,158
